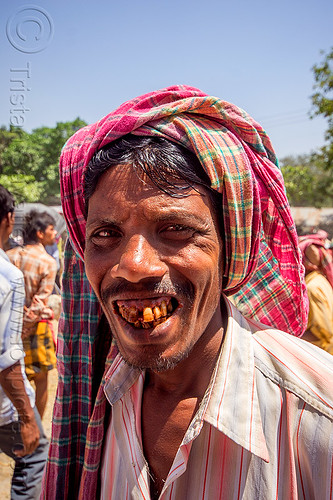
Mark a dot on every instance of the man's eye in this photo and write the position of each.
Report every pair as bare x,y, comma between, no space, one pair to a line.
178,231
106,233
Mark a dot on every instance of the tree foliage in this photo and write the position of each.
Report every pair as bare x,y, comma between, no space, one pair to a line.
308,183
308,178
322,101
29,162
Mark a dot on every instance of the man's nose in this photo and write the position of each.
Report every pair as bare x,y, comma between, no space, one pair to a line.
139,260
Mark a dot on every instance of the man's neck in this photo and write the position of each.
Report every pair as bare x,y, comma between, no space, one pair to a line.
190,376
170,401
3,237
31,242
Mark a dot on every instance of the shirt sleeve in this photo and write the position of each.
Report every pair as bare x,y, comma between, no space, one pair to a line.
11,315
47,282
45,288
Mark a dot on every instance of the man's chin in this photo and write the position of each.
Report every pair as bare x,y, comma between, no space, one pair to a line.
155,363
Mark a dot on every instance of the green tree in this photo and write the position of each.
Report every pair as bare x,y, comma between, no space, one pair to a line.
6,137
29,162
307,181
322,101
308,178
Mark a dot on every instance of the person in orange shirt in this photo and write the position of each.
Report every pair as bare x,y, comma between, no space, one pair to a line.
39,270
317,263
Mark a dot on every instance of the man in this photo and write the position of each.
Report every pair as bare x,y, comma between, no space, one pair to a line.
39,270
21,433
319,282
173,202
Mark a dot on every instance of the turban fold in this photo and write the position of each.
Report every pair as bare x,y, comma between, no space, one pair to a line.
263,269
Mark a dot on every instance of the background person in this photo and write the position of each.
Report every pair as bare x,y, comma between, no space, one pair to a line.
39,270
21,433
319,282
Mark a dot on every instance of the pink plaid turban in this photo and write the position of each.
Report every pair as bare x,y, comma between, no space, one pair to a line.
263,264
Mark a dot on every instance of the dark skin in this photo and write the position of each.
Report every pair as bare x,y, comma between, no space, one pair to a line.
142,245
12,383
163,429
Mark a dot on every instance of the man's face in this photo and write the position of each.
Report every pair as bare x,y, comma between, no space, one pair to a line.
154,262
48,236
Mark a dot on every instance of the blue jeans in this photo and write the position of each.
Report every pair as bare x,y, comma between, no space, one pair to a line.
28,472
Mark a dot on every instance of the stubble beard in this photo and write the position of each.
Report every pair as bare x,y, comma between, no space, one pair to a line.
150,358
154,362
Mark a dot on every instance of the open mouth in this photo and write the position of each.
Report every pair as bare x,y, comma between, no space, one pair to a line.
146,313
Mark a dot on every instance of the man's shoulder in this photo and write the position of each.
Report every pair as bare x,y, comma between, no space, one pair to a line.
298,366
34,254
318,284
5,286
13,252
46,258
9,273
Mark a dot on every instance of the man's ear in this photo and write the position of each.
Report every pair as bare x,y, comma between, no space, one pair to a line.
8,218
11,217
40,235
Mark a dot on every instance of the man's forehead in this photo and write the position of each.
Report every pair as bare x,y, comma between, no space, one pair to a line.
119,193
125,182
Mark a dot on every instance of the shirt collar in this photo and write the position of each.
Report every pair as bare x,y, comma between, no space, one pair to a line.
119,379
233,406
36,245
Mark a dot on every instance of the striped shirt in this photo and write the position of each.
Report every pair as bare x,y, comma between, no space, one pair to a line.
11,349
264,429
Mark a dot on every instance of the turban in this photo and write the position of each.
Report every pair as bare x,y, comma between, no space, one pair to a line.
262,260
263,271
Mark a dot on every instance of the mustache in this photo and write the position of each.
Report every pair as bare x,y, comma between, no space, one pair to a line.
148,286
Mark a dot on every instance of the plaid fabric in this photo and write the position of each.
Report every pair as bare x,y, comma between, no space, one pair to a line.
39,350
39,270
263,270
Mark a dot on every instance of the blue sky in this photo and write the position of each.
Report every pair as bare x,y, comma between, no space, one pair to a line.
256,54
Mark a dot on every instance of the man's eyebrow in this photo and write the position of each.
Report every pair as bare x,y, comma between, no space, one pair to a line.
166,216
105,221
180,214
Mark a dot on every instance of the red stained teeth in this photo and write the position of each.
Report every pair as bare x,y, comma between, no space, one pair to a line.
146,316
